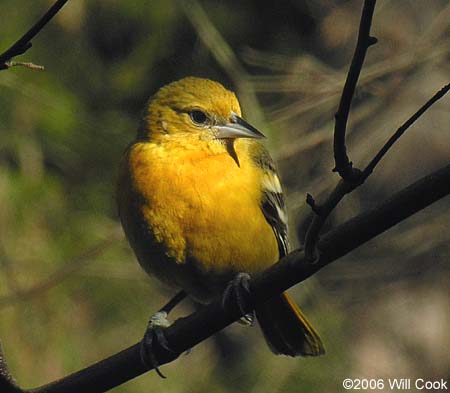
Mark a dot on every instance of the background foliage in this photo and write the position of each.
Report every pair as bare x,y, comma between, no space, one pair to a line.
71,292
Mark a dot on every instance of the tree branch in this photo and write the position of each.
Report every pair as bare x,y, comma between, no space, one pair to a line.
345,186
187,332
342,162
350,176
408,123
24,43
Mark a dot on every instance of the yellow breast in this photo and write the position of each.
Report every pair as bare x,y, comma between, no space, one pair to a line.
200,205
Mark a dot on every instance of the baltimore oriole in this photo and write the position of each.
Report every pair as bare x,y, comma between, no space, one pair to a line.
200,201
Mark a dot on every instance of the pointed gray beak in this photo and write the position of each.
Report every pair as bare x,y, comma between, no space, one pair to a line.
238,128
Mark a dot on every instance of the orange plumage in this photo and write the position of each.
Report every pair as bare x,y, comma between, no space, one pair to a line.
200,201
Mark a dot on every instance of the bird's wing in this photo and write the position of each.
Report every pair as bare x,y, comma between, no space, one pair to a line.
272,203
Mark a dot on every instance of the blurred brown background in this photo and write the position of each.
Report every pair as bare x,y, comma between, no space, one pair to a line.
71,292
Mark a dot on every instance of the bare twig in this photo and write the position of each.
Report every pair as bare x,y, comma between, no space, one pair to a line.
342,162
371,166
187,332
345,186
24,43
350,176
32,66
312,203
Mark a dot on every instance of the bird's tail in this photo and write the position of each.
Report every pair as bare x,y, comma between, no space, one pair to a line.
286,329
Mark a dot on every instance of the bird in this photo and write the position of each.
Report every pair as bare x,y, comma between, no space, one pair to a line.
200,202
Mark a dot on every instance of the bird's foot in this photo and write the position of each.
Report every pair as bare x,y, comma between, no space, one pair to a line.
248,319
159,319
238,291
154,335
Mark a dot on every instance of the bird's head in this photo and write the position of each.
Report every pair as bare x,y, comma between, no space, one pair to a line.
195,107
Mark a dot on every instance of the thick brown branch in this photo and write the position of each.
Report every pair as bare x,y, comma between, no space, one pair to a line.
342,163
24,43
294,268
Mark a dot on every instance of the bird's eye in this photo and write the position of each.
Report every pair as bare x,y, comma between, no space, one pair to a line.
198,117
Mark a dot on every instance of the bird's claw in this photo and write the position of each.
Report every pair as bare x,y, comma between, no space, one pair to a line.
159,319
154,335
248,319
238,290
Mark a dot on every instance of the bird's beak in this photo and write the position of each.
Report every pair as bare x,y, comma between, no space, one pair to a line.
238,128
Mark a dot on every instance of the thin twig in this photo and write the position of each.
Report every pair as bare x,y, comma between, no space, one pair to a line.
351,177
32,66
345,186
371,166
342,163
24,43
321,215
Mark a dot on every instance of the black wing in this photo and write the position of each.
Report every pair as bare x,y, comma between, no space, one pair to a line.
272,204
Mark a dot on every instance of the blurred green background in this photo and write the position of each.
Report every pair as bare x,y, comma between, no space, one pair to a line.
71,292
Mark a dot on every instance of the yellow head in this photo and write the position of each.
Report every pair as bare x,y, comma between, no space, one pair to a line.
195,107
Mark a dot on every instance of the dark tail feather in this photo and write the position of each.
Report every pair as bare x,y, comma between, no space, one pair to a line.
286,329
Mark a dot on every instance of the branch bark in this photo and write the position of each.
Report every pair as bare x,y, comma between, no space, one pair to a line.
350,177
342,162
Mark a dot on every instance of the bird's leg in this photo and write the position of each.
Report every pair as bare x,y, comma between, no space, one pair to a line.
154,335
248,319
238,290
